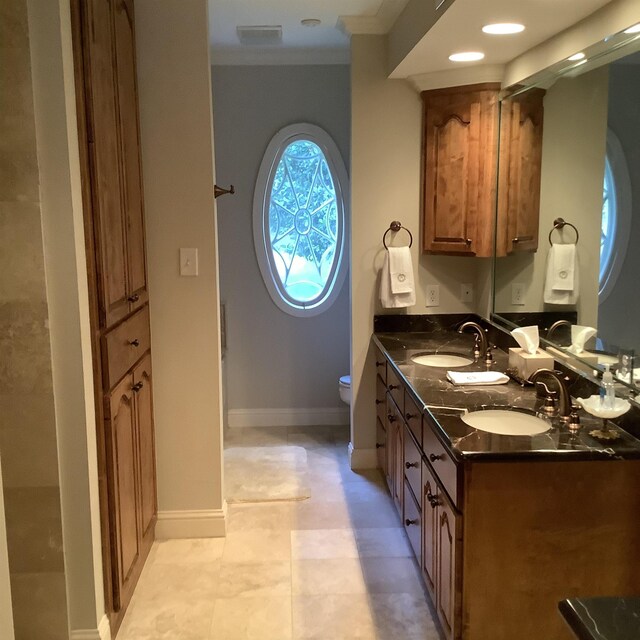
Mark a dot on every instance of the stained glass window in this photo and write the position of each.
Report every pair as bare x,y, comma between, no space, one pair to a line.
609,223
302,219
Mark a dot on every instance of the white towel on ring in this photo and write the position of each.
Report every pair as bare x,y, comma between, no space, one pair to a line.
400,270
562,283
389,299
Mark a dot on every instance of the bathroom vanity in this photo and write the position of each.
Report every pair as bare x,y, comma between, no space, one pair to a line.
504,527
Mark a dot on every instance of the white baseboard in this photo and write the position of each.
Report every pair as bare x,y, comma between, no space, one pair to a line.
287,417
103,632
200,523
362,458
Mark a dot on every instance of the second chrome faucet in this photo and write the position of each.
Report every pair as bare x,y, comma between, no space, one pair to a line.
482,346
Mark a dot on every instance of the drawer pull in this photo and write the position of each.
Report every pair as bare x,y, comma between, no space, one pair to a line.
137,386
408,522
433,500
134,298
391,418
379,446
433,457
379,402
379,364
408,465
411,416
135,342
393,386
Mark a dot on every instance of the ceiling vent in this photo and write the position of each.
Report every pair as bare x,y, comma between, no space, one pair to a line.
261,35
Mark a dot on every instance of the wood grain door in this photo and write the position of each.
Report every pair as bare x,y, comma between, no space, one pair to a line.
129,135
104,157
122,444
520,172
448,543
429,529
391,421
146,447
398,463
381,447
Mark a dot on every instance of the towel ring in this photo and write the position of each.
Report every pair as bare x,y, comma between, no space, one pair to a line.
560,223
395,226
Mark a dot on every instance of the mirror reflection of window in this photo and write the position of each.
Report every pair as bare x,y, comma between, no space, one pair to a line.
609,218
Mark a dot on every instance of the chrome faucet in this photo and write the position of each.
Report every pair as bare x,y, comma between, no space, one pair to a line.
564,397
482,346
555,326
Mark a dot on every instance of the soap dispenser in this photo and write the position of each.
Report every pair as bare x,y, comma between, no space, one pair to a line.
608,390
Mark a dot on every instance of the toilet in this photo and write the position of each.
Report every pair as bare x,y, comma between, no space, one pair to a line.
344,387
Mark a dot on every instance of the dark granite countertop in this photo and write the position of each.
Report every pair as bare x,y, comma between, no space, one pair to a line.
436,396
603,618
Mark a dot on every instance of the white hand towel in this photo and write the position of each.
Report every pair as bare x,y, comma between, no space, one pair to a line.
400,270
390,300
562,282
463,378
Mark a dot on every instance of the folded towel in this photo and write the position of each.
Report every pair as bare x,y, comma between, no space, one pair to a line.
561,282
392,300
477,377
400,270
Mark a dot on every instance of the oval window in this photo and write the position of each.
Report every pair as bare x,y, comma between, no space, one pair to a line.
299,220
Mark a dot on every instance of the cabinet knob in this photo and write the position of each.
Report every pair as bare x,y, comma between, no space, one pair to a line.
137,386
433,500
134,298
409,465
393,386
433,457
469,241
391,418
379,364
135,342
379,402
411,416
379,445
410,522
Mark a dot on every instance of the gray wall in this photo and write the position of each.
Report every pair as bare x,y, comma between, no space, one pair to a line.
273,360
619,313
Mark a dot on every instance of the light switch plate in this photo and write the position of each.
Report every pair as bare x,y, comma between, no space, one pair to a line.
188,262
517,293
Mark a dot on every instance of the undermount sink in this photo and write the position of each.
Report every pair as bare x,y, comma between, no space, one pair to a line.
506,422
442,360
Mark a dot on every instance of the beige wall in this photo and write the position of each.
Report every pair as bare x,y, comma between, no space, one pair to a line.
386,130
177,158
6,612
573,153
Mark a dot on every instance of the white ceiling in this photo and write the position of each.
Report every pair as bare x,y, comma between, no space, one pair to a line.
458,29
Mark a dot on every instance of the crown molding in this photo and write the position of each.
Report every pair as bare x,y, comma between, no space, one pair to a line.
227,56
458,77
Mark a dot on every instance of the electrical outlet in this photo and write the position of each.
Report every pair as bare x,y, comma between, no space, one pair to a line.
517,293
433,295
466,292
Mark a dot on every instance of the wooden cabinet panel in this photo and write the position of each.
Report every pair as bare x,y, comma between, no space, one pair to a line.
391,419
398,462
442,463
459,169
146,446
429,502
520,172
381,446
381,399
122,448
123,28
396,389
412,463
413,417
412,521
381,366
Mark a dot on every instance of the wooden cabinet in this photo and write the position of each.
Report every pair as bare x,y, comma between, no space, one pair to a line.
109,145
520,173
460,169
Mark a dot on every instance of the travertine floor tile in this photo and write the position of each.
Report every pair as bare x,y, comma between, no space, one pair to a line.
323,543
196,550
264,515
383,543
257,545
254,579
330,576
263,436
316,514
252,619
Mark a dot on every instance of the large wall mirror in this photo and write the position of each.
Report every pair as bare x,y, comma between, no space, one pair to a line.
568,232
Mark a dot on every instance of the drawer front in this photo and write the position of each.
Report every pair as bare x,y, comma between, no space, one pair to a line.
381,446
381,366
412,522
440,461
412,463
381,399
125,345
395,389
412,417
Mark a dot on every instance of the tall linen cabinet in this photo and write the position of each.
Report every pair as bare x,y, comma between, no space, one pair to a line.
109,137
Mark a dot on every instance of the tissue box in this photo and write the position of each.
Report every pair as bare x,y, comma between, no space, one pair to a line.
527,363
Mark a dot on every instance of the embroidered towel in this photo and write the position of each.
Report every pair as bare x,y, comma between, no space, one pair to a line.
561,282
400,270
477,377
389,299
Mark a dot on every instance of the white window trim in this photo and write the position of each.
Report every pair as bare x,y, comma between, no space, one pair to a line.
266,173
622,183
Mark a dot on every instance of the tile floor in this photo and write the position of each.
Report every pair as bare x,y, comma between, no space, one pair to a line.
335,567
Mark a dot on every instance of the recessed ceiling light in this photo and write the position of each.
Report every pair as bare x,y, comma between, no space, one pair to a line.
503,28
576,56
466,56
634,29
310,22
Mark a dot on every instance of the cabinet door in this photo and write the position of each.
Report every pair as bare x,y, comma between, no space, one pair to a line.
104,157
459,164
520,172
398,463
122,444
381,447
124,38
429,503
146,446
447,563
391,421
